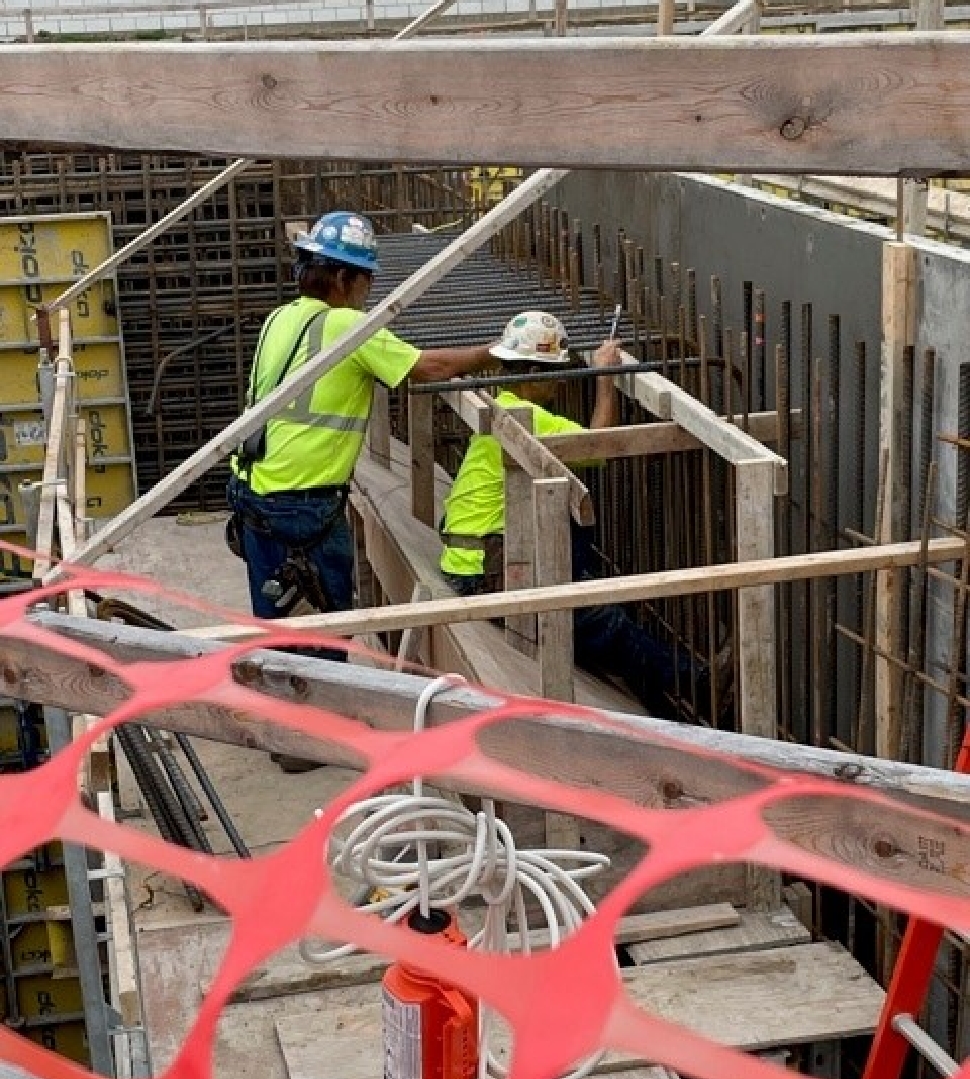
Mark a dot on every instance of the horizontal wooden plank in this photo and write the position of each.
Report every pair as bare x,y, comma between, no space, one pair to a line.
754,1001
888,841
756,931
645,586
645,439
288,973
668,401
874,104
386,701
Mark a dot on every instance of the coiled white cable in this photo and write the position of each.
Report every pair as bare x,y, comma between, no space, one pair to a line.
387,852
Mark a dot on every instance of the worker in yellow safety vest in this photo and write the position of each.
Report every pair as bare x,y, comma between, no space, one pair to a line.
605,639
290,481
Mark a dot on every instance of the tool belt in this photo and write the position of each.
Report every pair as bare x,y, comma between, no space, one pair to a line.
297,576
493,547
469,543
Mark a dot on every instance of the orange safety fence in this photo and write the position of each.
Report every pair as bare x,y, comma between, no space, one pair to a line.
574,990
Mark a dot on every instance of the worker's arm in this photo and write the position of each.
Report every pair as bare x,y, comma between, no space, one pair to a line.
605,412
437,364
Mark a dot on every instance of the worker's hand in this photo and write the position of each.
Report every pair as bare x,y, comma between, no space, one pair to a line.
608,355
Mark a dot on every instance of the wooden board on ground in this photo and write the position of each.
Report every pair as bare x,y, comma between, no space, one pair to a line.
754,1001
755,930
288,973
171,960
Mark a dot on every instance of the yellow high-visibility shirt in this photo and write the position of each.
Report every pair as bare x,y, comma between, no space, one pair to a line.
316,441
476,504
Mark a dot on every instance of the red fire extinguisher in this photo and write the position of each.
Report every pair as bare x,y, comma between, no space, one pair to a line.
430,1027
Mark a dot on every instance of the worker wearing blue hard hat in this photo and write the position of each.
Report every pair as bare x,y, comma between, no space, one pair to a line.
290,481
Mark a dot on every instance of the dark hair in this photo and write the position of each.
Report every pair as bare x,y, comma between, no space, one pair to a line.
316,276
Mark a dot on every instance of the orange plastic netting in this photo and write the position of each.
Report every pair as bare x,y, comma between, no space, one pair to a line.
575,990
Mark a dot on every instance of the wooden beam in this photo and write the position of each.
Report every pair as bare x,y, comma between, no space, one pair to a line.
307,373
755,646
646,439
832,103
656,774
144,238
554,566
668,401
54,471
663,584
519,546
421,444
537,461
472,408
898,331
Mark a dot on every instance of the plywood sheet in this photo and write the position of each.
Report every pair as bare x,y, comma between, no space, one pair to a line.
754,1001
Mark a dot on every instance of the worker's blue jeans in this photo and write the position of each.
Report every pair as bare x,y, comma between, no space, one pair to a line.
606,640
294,518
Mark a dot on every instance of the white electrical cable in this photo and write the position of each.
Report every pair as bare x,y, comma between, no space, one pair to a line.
387,852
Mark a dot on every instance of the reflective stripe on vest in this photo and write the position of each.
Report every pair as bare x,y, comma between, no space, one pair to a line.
300,412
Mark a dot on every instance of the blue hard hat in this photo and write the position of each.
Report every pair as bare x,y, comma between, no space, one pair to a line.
341,237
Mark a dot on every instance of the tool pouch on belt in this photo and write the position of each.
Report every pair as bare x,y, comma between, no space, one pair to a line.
234,527
253,448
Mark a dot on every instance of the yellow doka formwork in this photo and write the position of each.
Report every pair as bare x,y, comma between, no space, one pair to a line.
40,257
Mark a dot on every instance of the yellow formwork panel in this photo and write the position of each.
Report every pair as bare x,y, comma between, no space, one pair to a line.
41,995
109,489
22,435
68,1039
97,370
11,564
93,313
52,247
39,258
31,891
488,182
30,946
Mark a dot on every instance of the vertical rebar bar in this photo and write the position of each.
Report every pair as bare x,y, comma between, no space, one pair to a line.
760,346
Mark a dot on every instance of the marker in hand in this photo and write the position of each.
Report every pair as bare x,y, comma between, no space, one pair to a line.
616,321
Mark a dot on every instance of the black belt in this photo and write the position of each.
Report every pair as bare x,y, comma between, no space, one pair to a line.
468,543
310,494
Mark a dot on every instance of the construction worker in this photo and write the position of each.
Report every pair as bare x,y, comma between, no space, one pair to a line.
290,481
606,640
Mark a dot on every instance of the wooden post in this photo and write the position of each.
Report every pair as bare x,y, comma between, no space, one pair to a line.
379,428
412,639
562,17
554,566
665,18
555,628
421,443
898,331
364,580
755,482
520,629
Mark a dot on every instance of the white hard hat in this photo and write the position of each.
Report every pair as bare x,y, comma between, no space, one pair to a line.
533,337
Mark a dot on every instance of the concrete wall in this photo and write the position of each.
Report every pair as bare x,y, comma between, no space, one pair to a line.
807,255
